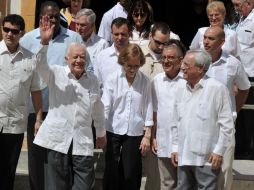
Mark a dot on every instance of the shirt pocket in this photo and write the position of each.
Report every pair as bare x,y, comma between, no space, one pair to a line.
246,36
57,130
200,143
202,111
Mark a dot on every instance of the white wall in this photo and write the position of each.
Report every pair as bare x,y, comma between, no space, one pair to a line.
15,6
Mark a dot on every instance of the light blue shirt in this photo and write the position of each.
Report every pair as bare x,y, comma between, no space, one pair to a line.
56,52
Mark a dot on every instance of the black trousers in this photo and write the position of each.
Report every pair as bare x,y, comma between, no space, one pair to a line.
69,172
36,157
245,129
123,166
10,147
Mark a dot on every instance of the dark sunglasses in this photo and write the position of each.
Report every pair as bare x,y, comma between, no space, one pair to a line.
139,14
160,43
13,31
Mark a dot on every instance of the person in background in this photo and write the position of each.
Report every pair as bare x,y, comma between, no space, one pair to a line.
245,34
163,93
216,13
106,61
228,70
202,125
128,112
58,45
85,23
140,18
17,79
119,10
70,12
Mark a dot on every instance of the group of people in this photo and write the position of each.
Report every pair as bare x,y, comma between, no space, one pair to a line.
155,107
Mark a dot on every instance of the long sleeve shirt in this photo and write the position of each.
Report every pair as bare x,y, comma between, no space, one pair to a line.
73,104
245,34
163,95
203,122
127,108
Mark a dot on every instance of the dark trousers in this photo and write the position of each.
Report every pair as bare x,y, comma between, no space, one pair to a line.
245,130
36,157
10,147
123,166
69,172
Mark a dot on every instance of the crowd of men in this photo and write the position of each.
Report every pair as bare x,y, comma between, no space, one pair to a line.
153,107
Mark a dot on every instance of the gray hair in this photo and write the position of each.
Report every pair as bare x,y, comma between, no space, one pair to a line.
91,17
202,58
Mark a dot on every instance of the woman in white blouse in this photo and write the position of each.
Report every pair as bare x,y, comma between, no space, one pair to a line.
128,112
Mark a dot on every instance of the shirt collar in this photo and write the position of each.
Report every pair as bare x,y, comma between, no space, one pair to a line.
70,75
91,39
4,49
221,60
177,77
148,52
199,85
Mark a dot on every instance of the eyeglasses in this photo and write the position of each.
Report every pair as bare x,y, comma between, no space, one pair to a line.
159,43
142,15
168,59
13,31
186,66
130,67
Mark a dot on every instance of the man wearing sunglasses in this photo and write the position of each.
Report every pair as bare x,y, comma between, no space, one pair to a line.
17,79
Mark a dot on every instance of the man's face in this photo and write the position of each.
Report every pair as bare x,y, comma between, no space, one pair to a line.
170,61
191,73
84,28
241,6
120,36
76,60
158,41
11,35
54,15
212,42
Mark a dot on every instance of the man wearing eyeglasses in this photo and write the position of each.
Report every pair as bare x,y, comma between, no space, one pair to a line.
202,124
245,120
158,39
163,89
17,79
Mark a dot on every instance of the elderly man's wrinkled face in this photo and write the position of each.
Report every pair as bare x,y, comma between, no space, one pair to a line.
76,59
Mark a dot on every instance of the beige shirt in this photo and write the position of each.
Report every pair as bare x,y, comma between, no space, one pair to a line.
152,67
17,79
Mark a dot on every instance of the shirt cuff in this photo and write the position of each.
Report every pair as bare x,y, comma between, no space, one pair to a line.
100,132
149,123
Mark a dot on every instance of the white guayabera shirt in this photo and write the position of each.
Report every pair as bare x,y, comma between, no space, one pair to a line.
203,122
73,104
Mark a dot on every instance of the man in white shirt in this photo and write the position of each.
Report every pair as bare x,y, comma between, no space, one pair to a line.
245,34
66,132
228,70
119,10
85,22
106,61
17,79
202,124
57,48
158,39
163,90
